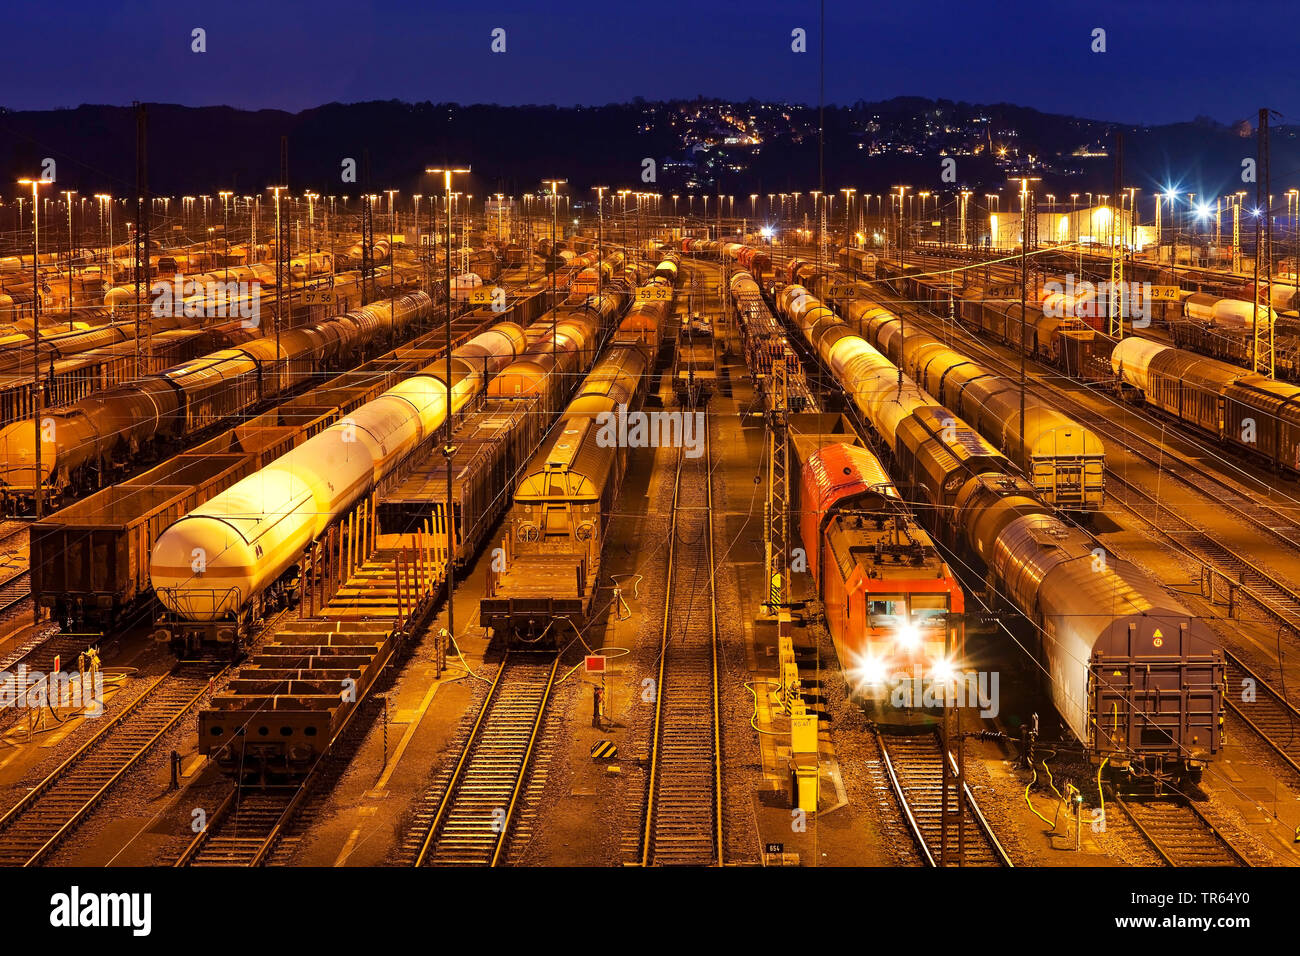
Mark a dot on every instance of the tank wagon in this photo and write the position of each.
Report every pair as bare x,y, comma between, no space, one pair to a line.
218,568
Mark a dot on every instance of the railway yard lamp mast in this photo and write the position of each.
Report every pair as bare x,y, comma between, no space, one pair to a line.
225,195
902,331
600,237
447,449
279,278
1026,203
555,215
311,198
848,209
1293,198
106,208
392,228
38,490
67,197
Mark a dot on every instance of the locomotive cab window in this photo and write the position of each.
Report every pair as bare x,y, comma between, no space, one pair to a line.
886,610
929,610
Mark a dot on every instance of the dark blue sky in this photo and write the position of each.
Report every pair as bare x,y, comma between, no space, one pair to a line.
1164,61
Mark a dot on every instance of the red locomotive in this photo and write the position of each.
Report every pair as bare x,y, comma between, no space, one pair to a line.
893,607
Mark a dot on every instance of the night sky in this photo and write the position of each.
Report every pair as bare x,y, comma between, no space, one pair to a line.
1165,62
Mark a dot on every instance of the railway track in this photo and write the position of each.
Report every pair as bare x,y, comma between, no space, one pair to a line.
14,590
11,528
15,572
245,828
1269,714
683,816
471,824
1179,833
915,769
34,826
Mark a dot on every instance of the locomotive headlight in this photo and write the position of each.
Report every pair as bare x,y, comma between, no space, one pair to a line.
942,671
868,670
908,636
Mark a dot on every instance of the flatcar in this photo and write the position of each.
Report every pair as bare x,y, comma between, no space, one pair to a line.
1135,676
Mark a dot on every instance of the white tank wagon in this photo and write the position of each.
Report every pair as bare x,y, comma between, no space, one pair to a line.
1223,313
1131,359
871,381
221,563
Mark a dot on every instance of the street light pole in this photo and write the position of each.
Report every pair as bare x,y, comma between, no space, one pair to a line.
279,273
67,196
447,448
555,206
600,237
38,489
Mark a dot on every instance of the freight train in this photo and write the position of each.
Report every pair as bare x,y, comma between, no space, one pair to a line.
1247,412
591,277
222,566
565,499
90,560
97,350
747,258
894,609
766,345
83,445
1065,461
1066,342
1135,676
1250,413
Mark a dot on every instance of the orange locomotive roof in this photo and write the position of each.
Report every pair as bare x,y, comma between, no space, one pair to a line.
830,474
839,471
